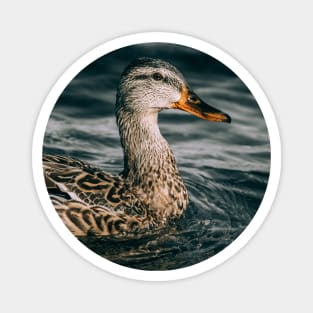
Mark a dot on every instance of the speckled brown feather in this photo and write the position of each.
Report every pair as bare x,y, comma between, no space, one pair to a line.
91,202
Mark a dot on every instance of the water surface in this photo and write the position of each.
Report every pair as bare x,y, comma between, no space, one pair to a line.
225,166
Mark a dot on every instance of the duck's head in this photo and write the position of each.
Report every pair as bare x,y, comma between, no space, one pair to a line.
151,85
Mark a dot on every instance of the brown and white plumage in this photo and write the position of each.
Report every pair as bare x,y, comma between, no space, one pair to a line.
150,190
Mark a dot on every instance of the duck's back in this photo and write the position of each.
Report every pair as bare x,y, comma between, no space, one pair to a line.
88,200
70,178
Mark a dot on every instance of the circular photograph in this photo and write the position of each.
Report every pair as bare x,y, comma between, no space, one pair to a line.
155,155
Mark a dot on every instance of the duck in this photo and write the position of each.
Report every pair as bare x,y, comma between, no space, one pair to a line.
150,191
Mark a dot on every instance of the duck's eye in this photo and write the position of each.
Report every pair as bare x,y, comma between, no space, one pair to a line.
193,99
157,76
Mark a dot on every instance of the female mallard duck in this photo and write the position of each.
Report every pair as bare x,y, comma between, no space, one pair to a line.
150,190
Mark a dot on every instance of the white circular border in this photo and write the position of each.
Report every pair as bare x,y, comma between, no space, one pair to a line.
262,101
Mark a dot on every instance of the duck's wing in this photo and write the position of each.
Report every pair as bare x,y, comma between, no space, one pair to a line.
83,220
71,179
91,202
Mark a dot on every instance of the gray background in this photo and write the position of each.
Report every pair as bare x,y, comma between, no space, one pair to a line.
39,272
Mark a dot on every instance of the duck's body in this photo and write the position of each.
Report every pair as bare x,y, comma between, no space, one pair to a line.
150,190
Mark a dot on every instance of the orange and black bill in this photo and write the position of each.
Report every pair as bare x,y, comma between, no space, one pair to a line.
191,103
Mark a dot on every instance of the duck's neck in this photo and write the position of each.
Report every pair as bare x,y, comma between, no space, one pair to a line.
146,152
149,164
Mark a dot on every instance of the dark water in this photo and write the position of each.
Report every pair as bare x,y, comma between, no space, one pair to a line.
225,166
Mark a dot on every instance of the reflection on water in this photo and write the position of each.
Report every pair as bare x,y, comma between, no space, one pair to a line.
225,166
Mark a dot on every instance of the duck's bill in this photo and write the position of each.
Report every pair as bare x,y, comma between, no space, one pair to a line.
191,103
